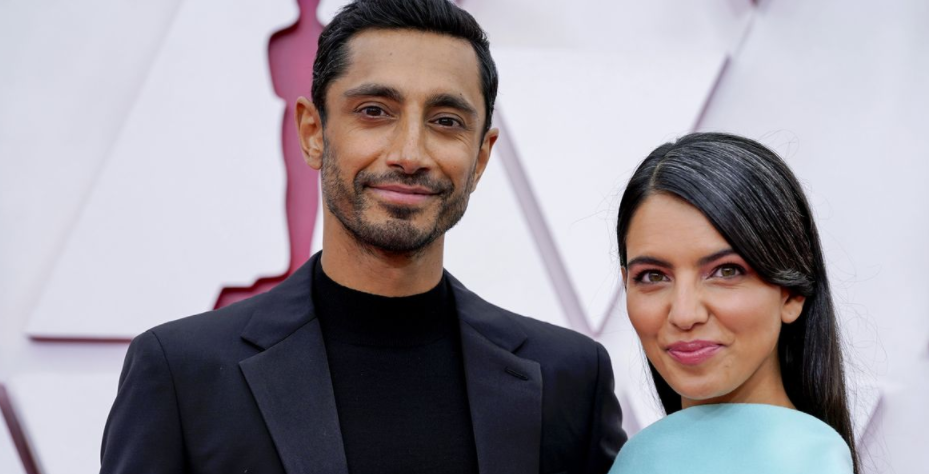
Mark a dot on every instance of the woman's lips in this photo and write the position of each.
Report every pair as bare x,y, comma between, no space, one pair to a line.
693,352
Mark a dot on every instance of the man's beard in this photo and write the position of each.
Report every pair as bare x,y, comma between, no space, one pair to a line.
398,234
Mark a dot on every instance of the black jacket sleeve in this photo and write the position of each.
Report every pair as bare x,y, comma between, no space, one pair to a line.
143,432
607,435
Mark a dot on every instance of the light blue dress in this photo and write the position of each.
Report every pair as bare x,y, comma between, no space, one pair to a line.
735,438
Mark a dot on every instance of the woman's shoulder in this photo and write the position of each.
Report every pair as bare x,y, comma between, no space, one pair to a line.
736,438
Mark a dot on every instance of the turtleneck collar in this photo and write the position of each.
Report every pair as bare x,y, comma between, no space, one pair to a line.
360,318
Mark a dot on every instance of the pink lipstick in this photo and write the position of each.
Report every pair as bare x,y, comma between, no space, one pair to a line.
693,352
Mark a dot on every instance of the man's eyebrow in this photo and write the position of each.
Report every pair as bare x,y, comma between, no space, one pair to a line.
375,90
451,101
648,260
715,256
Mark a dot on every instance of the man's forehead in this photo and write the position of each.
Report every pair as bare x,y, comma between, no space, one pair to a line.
418,61
383,40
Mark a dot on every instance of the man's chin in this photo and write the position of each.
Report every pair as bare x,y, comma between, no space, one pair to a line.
394,235
392,212
391,245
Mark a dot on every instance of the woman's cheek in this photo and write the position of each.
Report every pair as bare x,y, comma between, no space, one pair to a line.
747,310
646,314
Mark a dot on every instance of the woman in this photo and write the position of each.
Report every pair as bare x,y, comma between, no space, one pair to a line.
727,291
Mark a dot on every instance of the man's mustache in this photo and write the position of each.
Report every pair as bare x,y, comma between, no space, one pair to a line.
423,180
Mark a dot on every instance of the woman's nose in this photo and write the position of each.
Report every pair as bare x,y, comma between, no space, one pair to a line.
687,308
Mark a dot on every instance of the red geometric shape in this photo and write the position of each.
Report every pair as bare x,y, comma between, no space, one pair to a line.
16,432
290,55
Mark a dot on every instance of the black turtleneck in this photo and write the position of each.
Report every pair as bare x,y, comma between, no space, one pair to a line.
398,378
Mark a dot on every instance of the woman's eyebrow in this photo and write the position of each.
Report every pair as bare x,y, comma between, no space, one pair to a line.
715,256
648,260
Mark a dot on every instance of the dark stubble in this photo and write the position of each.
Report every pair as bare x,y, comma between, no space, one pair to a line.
398,234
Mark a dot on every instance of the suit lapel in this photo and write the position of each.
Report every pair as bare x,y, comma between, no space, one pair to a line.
290,379
292,386
291,383
504,390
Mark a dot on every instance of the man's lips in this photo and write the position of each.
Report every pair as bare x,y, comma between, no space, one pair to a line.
693,352
402,194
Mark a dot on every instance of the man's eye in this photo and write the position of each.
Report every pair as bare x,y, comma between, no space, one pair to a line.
372,111
448,122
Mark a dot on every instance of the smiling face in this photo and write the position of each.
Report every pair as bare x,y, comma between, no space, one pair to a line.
708,323
402,148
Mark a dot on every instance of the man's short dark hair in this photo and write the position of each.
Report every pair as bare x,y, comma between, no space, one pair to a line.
434,16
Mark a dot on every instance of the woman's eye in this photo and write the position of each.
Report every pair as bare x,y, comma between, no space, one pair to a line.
651,277
728,271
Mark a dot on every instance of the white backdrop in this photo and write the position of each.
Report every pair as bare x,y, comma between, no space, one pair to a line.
140,156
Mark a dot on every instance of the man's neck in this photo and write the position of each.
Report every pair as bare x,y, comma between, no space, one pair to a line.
374,271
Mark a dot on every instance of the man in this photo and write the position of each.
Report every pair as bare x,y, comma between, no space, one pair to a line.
370,358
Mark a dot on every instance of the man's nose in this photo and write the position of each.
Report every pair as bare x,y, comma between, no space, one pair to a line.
408,150
687,308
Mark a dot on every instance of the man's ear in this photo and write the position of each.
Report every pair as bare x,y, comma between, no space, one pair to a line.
792,306
310,131
483,155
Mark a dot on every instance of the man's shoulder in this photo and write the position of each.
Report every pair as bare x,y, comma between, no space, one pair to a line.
567,358
551,334
542,339
218,329
270,315
547,341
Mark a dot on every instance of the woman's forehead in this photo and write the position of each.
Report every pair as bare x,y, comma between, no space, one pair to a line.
668,226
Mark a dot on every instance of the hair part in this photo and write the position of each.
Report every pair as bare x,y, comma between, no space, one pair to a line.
433,16
756,203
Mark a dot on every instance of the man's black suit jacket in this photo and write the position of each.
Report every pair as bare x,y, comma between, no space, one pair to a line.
246,389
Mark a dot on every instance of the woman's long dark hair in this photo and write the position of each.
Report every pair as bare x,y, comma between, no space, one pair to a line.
754,201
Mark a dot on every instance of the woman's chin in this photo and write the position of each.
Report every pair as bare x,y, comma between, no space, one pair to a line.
699,393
